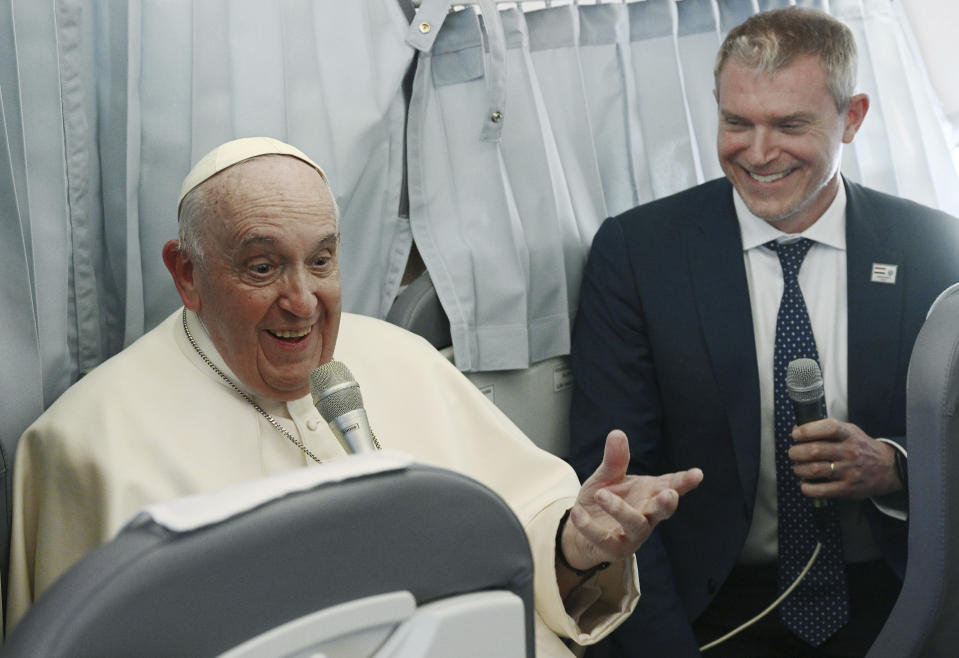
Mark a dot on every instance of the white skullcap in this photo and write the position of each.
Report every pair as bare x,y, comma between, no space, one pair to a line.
234,152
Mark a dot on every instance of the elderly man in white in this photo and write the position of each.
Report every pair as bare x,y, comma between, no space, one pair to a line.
219,393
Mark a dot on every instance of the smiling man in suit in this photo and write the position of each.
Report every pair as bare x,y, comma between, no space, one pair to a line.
691,308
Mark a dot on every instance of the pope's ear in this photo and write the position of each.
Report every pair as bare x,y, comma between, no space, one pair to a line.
182,269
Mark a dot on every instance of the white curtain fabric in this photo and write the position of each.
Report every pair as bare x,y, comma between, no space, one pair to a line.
462,210
671,149
612,105
543,204
697,40
553,43
105,105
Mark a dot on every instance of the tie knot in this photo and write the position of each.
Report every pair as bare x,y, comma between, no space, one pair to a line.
791,254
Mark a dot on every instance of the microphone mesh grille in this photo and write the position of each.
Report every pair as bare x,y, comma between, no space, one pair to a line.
804,380
340,402
329,374
332,405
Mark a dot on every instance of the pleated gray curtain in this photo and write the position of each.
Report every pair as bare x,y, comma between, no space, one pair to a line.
462,210
697,40
671,149
105,105
21,385
554,35
531,156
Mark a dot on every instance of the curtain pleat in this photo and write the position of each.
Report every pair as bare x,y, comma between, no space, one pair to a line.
463,216
671,145
543,205
86,312
934,132
553,36
766,5
733,12
697,40
167,46
21,386
871,147
118,159
604,34
46,189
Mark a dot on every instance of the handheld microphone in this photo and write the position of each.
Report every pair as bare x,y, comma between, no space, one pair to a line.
805,388
804,385
336,396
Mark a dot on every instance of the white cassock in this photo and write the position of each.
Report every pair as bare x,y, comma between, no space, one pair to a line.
155,422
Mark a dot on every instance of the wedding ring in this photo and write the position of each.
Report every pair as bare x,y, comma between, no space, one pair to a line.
832,469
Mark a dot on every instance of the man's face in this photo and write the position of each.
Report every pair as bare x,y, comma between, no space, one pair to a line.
780,139
268,290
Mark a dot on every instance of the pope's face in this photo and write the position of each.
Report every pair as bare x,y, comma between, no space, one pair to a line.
780,139
268,290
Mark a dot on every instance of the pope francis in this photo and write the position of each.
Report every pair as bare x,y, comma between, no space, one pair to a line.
219,393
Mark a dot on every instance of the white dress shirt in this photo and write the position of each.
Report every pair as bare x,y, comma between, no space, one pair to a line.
822,271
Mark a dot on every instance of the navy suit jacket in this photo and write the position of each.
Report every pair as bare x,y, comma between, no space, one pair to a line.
663,348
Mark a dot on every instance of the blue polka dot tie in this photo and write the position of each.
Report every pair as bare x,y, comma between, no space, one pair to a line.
820,605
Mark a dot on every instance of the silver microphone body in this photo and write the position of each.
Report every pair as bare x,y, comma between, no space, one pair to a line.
336,396
352,428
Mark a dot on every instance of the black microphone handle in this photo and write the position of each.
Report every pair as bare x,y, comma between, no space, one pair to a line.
807,412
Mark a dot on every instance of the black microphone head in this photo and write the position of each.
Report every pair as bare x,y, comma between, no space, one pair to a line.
334,390
804,380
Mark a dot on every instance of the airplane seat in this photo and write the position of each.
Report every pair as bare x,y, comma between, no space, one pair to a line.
418,309
536,399
925,619
370,555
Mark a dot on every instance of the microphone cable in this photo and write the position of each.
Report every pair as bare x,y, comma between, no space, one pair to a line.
772,606
804,386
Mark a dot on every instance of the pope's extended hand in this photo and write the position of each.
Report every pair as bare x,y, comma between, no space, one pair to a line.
614,512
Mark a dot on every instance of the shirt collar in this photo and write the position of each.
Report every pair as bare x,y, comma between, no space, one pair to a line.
829,229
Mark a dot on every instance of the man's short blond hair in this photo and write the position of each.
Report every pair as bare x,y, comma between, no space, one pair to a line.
771,40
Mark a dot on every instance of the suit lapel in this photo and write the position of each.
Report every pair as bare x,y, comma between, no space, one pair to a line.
874,310
722,298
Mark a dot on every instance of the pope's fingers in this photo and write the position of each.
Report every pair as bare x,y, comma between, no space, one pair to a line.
615,458
636,522
615,534
661,506
682,481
